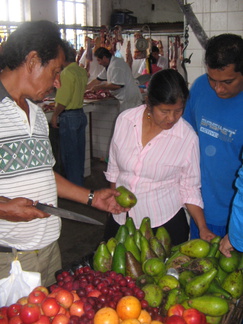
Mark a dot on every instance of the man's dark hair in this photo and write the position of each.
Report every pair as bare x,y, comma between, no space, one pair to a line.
41,36
166,87
70,52
223,50
101,52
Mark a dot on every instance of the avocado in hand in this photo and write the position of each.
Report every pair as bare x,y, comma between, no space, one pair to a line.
127,199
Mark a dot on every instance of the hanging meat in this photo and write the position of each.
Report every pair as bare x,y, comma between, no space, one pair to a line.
129,59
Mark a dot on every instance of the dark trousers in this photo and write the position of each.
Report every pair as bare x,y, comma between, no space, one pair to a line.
72,144
177,227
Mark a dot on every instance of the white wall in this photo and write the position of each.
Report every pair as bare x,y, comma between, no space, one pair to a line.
216,17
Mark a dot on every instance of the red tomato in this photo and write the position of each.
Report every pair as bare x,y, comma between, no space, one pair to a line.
65,298
15,320
30,313
4,310
176,309
13,310
175,319
36,297
43,320
3,319
50,306
192,316
77,308
43,289
60,319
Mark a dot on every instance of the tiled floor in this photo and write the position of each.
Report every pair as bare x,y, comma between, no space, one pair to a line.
80,239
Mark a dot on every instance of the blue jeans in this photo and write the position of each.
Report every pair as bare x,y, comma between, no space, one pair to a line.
72,126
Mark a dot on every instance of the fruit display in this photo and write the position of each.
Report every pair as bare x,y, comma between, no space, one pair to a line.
194,274
139,277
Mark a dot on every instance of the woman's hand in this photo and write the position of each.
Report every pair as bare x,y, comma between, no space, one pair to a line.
225,246
104,199
206,234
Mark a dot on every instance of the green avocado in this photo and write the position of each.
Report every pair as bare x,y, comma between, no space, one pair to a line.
127,199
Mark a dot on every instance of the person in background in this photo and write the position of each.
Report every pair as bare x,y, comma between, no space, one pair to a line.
214,110
72,119
154,153
153,67
117,78
234,238
31,63
160,61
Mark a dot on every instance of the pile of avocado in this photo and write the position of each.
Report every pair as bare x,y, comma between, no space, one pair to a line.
203,277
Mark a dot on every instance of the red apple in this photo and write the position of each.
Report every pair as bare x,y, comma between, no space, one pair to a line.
192,316
3,319
65,298
30,313
50,306
77,308
94,293
43,289
176,309
43,320
4,310
13,310
175,319
23,300
15,320
60,319
36,297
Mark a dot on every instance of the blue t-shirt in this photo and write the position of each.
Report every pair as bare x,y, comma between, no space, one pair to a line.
236,219
219,125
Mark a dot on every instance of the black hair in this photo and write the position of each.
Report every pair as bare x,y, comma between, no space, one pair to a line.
41,36
70,52
152,59
166,87
101,52
223,50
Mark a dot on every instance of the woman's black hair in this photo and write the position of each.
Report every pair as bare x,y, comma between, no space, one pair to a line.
166,87
41,36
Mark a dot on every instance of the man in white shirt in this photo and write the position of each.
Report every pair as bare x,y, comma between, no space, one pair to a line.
117,78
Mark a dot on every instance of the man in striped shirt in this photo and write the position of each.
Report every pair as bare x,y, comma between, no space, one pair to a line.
30,66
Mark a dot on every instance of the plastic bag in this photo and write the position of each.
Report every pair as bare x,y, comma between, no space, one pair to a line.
19,284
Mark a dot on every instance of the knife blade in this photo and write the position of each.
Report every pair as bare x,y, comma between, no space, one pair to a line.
66,214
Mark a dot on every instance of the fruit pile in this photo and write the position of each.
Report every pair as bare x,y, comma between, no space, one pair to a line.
194,274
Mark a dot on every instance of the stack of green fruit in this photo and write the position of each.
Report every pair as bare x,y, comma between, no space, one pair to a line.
205,279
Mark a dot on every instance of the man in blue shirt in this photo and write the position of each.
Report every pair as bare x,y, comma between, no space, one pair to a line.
215,110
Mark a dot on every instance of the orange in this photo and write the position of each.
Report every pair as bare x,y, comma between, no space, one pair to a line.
131,321
144,317
106,315
156,322
128,307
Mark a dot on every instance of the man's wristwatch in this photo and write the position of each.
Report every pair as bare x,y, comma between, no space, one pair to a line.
90,197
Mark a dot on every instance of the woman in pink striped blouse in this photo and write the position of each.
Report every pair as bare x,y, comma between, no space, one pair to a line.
154,153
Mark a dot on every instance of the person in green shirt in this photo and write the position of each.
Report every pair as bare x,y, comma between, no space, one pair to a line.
72,119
